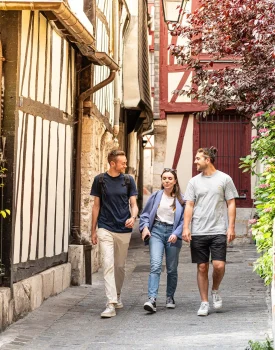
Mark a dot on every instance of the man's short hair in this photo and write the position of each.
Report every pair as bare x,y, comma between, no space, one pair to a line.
209,153
112,156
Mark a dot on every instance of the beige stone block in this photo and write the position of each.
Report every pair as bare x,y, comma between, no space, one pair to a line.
67,276
76,258
33,285
58,279
158,168
47,283
22,302
87,125
86,159
86,142
160,123
157,180
6,304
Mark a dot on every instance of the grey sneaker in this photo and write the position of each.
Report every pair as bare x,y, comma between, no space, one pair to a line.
110,311
217,300
150,305
119,304
170,303
204,309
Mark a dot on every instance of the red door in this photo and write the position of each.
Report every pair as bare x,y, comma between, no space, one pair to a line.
231,135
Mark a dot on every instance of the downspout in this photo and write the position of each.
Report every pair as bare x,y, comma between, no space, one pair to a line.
116,58
104,59
148,131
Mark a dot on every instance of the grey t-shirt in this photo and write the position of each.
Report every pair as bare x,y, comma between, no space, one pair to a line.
210,193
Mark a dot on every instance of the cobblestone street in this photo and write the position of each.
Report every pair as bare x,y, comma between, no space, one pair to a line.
72,320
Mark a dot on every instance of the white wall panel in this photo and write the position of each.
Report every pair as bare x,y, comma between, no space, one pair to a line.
42,51
56,58
27,189
25,52
173,81
36,186
184,168
64,84
68,180
51,189
18,176
31,77
48,73
60,189
42,221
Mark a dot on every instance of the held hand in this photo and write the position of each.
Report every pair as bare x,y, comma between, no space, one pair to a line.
172,239
145,232
130,222
231,235
186,235
94,238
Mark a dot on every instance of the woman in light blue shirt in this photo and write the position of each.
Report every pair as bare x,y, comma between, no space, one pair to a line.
161,226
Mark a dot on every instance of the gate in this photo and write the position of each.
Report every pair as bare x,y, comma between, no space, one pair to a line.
231,135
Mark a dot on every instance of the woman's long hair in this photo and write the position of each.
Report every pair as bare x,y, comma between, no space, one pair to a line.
176,192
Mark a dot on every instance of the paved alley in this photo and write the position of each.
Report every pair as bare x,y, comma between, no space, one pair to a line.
72,320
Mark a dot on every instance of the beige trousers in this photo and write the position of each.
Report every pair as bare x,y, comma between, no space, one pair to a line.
114,248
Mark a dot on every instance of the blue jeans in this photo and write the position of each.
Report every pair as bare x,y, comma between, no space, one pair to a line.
158,244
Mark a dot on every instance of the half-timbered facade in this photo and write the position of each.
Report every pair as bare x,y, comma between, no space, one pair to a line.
179,132
65,106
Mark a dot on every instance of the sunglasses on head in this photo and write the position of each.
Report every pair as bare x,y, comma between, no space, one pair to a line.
169,170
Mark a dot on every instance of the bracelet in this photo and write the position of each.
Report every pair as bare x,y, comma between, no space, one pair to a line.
134,217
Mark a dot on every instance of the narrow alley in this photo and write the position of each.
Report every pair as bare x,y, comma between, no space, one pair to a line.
72,320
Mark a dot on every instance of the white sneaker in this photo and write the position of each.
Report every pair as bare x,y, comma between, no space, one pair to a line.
110,311
204,309
217,300
119,304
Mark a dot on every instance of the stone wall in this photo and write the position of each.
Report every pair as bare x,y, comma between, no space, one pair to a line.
97,142
30,293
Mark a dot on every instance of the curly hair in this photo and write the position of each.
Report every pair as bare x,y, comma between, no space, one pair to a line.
210,152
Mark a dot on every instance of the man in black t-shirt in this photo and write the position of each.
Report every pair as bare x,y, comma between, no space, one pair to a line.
113,217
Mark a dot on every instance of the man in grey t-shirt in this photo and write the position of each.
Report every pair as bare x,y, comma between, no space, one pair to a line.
211,209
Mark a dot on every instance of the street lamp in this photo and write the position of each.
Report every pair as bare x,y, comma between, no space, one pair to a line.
172,10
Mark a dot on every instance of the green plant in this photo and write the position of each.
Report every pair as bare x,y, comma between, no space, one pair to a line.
263,151
256,345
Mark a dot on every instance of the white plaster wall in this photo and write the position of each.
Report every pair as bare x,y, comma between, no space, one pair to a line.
133,7
48,138
173,81
28,86
36,185
184,168
77,8
132,154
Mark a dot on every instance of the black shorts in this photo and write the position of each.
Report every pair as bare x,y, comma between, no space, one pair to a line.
203,246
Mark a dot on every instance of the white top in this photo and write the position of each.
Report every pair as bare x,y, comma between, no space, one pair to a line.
165,212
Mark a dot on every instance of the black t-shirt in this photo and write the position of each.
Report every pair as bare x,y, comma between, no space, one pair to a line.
114,202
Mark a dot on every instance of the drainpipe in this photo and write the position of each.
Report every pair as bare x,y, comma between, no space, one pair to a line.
116,58
103,59
148,131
